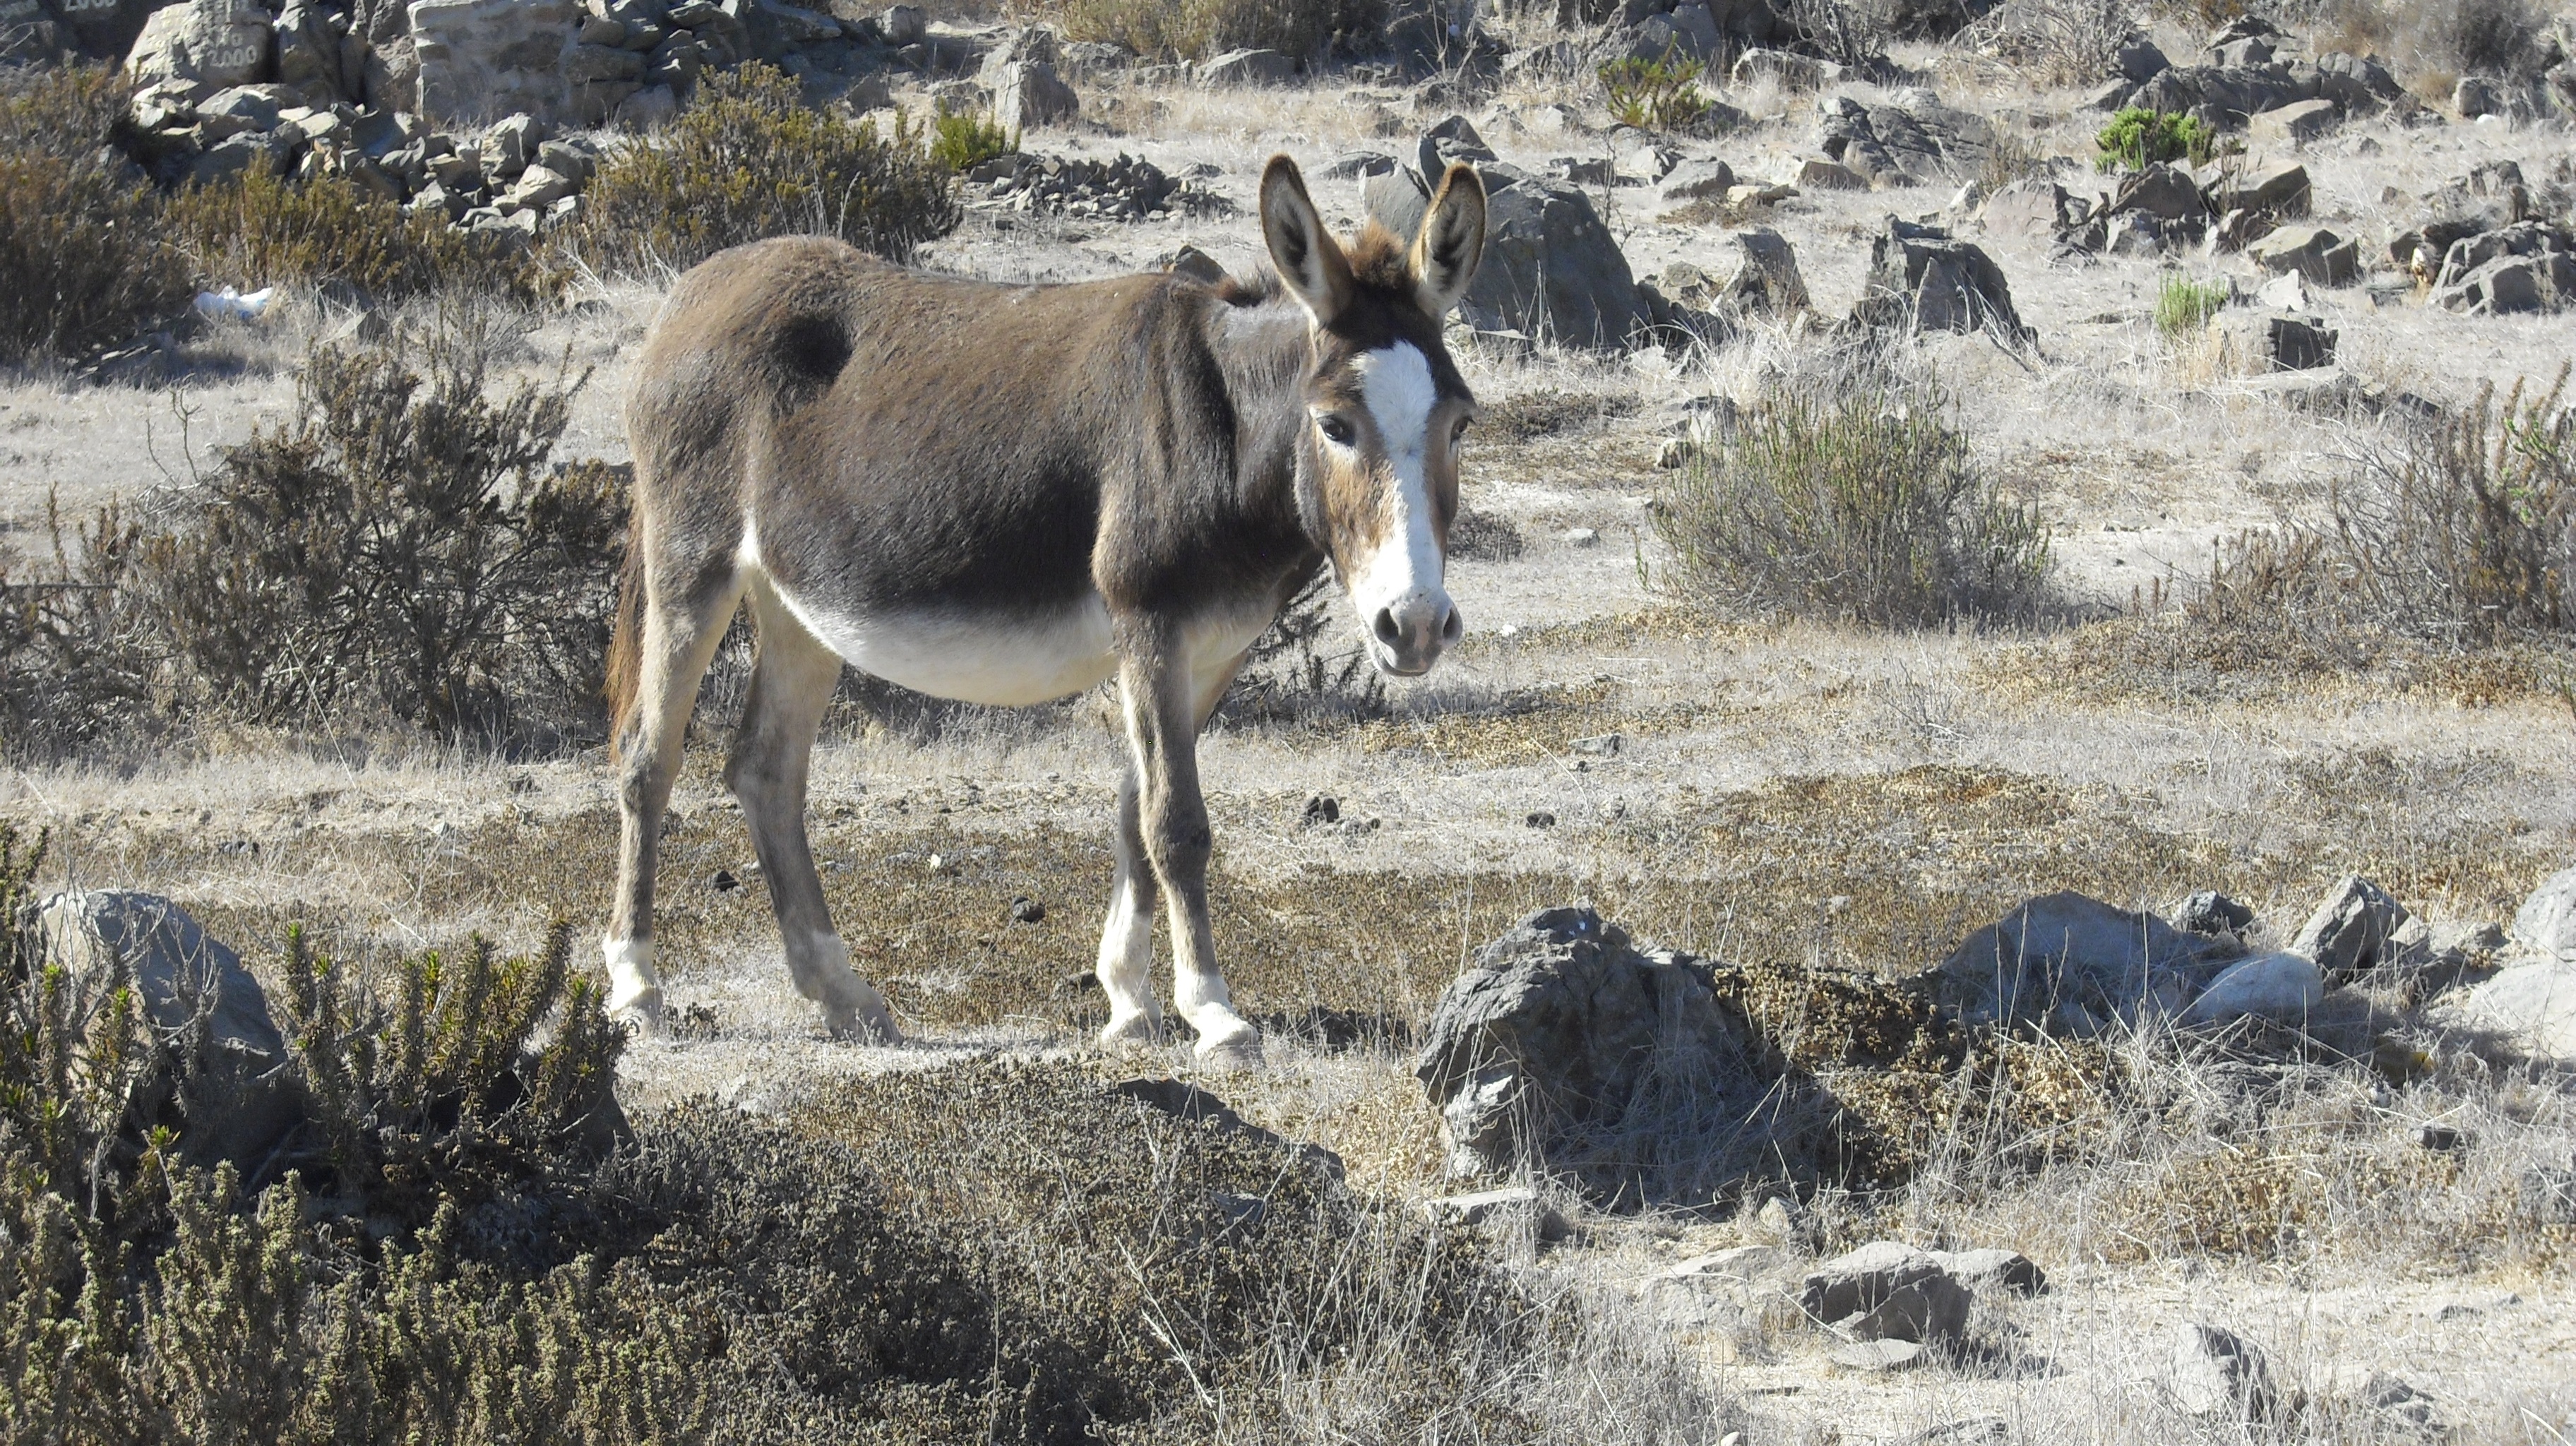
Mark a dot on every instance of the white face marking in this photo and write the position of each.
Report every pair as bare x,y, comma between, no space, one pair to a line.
1403,575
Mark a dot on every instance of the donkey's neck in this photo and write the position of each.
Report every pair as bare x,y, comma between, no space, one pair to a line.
1264,351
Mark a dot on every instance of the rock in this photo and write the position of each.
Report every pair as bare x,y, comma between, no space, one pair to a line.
2297,123
2257,342
1029,94
1922,280
2404,1404
243,108
1509,1206
2215,915
1551,268
1192,1105
2219,1375
1887,1291
1779,68
1766,279
1819,174
2534,1004
1645,163
1741,1265
218,1055
2280,189
2349,930
2523,238
1697,181
1249,67
2547,920
1352,165
2356,83
2139,60
2284,988
495,57
2110,98
2027,207
2074,963
1093,57
2315,252
216,42
1879,1355
903,25
2222,93
1994,1269
2162,191
1542,1044
2475,95
1913,140
2511,284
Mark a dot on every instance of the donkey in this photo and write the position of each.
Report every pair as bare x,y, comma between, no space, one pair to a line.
1007,494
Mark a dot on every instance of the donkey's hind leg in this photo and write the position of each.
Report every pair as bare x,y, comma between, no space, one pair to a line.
791,686
1127,937
684,619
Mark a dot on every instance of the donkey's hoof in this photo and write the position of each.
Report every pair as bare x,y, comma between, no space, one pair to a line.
1236,1049
868,1024
1139,1028
640,1013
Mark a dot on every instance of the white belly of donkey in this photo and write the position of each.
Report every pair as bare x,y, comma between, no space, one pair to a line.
1005,659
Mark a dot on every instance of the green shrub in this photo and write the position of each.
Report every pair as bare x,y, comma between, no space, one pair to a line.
257,229
2184,306
405,541
1851,501
2138,137
80,241
1198,29
750,160
1653,95
961,141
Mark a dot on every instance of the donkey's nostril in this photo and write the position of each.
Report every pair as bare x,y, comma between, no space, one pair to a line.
1387,630
1451,627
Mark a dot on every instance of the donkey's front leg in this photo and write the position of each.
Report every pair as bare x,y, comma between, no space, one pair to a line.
1162,729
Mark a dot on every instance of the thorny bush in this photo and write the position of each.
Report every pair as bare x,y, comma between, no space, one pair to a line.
258,229
80,241
405,542
1851,498
750,160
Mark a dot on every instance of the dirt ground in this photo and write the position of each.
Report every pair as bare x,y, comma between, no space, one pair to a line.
1797,793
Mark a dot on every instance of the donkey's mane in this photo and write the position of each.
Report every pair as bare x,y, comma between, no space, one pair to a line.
1379,259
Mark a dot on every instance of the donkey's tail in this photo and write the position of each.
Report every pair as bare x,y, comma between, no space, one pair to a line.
626,637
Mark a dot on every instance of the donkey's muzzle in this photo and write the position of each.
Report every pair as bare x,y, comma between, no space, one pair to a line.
1409,636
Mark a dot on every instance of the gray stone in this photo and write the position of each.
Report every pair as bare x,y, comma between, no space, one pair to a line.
2547,920
1543,1044
1248,67
2511,284
1876,1356
2213,914
245,107
2280,189
2476,95
1910,140
2356,83
1551,269
1094,57
1921,279
2315,252
216,42
2162,191
2220,1376
1030,94
2349,929
1819,174
2224,93
1766,280
903,25
481,58
2534,1004
218,1053
2074,963
1994,1268
1887,1291
2294,124
2111,97
1697,181
2029,207
2256,342
1510,1206
2285,988
1780,68
2139,60
2523,238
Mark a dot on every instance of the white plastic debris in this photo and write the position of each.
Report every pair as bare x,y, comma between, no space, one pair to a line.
234,304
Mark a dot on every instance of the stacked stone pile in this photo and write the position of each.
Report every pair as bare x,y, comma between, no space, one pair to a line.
1128,188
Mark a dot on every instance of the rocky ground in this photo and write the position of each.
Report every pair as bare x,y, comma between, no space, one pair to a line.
1770,795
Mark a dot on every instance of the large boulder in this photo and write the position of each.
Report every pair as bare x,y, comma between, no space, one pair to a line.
213,42
1914,140
218,1058
2522,238
2228,95
2534,1004
2512,284
2319,253
2285,988
2546,922
1887,1290
1551,269
1029,94
2349,932
2074,964
1921,279
2258,342
1562,1042
483,59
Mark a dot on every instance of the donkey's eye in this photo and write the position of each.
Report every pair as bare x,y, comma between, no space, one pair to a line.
1337,430
1458,433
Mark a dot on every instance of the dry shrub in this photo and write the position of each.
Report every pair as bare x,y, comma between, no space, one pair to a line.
750,160
1198,29
1851,498
2434,44
80,654
1294,673
88,264
404,542
258,229
2056,42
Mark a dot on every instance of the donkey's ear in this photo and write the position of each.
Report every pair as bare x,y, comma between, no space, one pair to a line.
1308,257
1452,240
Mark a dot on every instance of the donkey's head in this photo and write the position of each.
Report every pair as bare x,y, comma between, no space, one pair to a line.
1377,465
